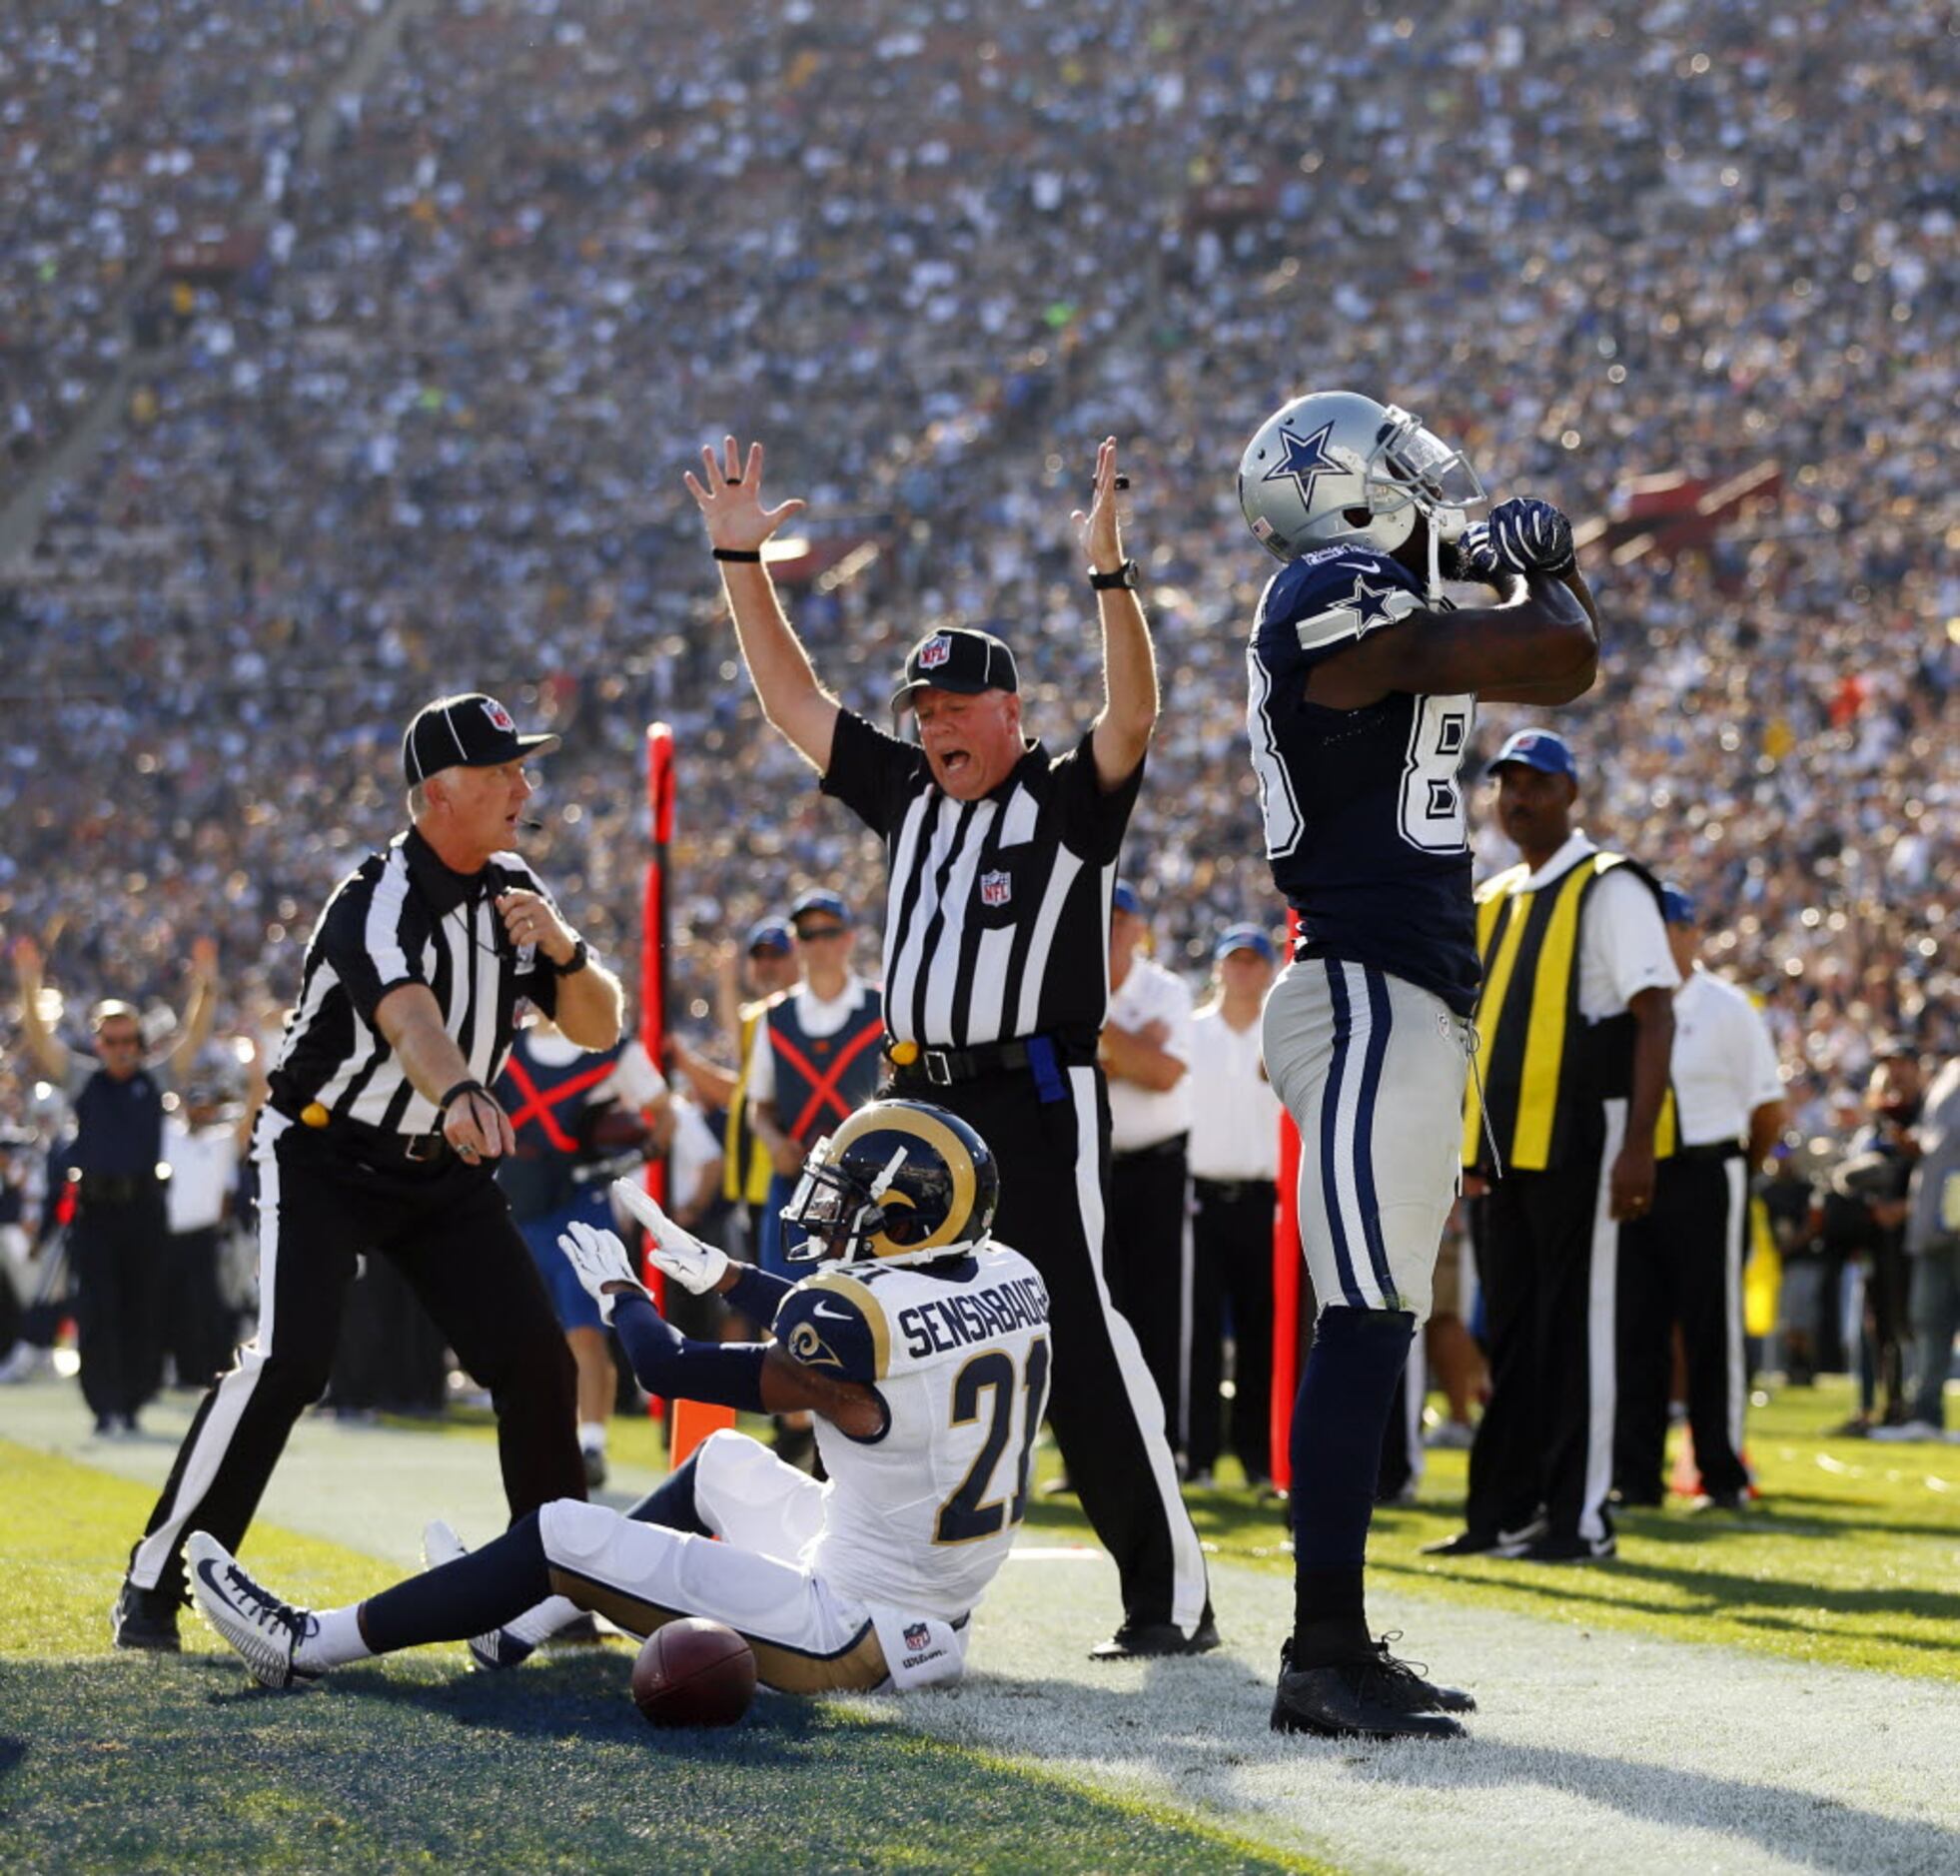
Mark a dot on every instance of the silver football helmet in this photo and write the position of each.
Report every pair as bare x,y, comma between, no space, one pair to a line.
1336,467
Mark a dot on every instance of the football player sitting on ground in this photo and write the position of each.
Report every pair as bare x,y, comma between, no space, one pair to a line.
923,1350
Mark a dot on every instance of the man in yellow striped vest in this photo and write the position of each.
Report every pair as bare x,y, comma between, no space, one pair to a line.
1574,1021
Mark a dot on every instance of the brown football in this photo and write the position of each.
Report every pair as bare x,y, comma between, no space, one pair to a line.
695,1672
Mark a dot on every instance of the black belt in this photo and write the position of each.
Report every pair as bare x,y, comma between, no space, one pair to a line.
1230,1191
1715,1150
941,1068
117,1188
376,1142
1156,1150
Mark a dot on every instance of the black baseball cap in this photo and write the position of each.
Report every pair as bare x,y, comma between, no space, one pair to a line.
470,731
958,658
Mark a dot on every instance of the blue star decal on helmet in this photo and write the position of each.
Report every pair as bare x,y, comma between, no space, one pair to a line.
1303,459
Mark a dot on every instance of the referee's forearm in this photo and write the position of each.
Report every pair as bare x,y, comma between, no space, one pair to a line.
426,1052
590,1007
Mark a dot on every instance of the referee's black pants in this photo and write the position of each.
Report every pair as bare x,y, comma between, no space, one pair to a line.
1102,1404
1683,1264
1546,1255
1147,1264
1232,1265
448,1228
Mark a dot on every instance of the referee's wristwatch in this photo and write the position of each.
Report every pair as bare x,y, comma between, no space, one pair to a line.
582,955
1126,578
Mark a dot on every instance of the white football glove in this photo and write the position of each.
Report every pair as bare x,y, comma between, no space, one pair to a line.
598,1257
683,1257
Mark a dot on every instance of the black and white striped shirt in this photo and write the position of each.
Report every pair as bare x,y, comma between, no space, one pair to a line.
997,920
402,917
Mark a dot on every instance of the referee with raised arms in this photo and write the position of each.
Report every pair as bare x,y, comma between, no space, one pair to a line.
1002,859
381,1135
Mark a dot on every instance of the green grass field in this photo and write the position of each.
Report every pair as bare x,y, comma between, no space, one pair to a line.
131,1763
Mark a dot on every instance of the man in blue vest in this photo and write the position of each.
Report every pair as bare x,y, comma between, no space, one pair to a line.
552,1091
817,1056
121,1232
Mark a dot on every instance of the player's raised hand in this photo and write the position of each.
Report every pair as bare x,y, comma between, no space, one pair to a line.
729,496
1102,537
1473,556
683,1257
599,1259
1532,536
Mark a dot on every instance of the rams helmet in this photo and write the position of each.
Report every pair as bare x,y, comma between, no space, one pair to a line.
1336,467
901,1182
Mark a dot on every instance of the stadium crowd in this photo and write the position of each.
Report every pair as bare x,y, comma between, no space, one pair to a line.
430,435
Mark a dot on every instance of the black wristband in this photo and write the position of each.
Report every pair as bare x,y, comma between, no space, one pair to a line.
582,955
738,553
461,1087
1127,577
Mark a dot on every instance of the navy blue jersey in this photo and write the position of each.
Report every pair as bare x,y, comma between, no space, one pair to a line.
1365,823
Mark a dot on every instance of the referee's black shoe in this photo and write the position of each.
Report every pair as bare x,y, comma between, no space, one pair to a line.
146,1619
1142,1640
1351,1700
1403,1682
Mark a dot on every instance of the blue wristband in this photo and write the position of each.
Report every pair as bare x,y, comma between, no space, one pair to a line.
758,1294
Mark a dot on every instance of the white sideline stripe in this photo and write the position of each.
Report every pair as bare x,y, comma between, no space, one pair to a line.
1615,1753
1146,1406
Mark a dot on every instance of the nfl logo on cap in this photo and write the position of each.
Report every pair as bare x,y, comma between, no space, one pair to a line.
497,714
935,651
996,888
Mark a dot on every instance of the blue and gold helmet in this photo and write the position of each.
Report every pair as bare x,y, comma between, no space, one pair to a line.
900,1182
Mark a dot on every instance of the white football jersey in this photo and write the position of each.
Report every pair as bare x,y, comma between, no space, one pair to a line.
959,1352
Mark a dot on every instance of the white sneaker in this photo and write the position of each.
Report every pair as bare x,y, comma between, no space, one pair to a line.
1909,1429
518,1640
269,1634
1450,1437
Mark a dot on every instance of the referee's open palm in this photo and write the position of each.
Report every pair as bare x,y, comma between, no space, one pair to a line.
730,498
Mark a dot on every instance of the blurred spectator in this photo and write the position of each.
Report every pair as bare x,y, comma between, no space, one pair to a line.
1932,1244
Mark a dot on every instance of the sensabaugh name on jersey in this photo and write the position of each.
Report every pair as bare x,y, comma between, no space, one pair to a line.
955,1322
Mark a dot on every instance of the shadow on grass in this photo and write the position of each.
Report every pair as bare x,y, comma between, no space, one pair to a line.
1704,1592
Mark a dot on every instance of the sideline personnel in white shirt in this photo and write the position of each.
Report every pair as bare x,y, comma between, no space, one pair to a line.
1235,1154
1146,1051
1683,1261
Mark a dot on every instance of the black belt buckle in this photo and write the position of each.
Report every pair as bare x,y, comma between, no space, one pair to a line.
938,1066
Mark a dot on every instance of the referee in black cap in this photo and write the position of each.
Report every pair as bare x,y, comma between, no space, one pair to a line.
381,1135
1002,859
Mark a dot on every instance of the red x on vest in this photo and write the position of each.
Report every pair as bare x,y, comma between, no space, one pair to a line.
538,1106
823,1087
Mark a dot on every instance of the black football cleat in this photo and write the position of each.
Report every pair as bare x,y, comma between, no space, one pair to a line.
1351,1700
1572,1550
1136,1642
146,1619
1403,1682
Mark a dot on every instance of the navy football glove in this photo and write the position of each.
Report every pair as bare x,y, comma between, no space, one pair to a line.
1532,536
1471,555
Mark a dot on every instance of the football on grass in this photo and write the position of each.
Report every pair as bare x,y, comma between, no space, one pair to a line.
695,1672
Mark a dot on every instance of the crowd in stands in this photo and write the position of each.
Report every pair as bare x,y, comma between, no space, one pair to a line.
430,435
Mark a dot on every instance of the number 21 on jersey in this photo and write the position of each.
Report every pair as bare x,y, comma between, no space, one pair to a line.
1432,808
985,1389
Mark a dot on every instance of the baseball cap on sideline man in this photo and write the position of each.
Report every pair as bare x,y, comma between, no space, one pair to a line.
1542,749
818,899
768,934
1244,938
1676,906
470,731
958,658
1123,898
